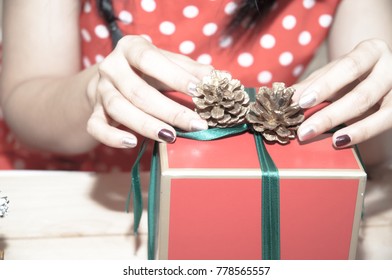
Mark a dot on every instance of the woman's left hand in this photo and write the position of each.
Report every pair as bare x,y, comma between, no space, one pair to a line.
359,85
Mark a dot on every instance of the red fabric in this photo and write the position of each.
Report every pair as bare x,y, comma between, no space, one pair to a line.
279,50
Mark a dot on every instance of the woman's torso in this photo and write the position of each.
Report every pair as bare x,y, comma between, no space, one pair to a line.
279,50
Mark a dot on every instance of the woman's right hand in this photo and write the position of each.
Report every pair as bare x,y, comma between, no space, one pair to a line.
126,91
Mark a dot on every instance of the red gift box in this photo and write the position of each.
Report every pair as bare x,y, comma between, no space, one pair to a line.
210,203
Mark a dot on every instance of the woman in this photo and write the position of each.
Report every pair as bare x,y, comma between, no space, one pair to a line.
54,104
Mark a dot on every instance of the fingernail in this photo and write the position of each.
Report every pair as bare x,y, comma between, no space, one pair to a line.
198,125
129,142
342,140
192,89
306,133
166,135
308,99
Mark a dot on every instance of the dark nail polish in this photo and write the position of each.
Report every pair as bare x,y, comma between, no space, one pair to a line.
166,135
342,140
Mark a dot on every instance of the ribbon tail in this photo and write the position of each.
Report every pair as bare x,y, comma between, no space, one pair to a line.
214,133
270,203
152,203
136,190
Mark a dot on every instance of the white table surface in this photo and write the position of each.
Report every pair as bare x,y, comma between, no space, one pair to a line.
80,215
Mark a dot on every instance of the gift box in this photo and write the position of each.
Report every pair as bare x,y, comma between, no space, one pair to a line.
209,200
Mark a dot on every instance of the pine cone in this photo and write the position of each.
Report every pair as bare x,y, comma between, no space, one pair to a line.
274,115
223,101
3,206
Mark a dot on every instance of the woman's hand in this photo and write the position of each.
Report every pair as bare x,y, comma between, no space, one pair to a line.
126,91
359,85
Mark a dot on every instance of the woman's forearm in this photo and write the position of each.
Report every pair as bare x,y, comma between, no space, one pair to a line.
51,113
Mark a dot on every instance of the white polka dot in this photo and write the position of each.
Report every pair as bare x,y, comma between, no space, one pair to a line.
126,17
264,77
209,29
148,5
101,31
308,4
267,41
289,22
230,8
204,59
145,36
304,38
298,70
86,62
87,7
325,20
167,28
245,59
286,58
225,41
99,58
86,35
190,12
187,47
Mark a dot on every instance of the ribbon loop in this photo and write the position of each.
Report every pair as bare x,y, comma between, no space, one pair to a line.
214,133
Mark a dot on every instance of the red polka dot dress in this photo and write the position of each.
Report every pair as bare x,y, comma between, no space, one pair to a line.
279,49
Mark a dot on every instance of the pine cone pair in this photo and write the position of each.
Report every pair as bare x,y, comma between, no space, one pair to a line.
223,102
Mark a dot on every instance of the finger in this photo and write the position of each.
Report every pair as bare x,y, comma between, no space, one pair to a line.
122,111
148,99
100,129
352,105
343,72
144,56
364,129
302,85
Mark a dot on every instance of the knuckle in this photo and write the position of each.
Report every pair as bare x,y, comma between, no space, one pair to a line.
178,117
362,102
137,98
112,103
145,127
105,67
208,68
365,134
353,66
92,125
102,86
327,122
137,48
141,57
129,41
91,89
372,45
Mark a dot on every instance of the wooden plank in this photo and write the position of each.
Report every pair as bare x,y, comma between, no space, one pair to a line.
65,204
79,248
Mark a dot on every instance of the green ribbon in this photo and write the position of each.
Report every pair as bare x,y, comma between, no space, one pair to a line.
270,190
270,202
152,195
136,190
